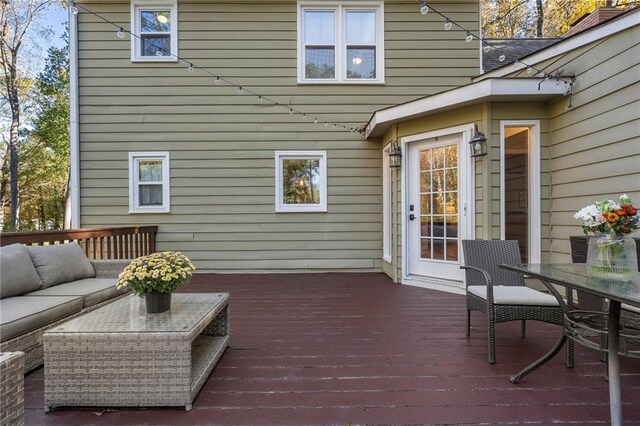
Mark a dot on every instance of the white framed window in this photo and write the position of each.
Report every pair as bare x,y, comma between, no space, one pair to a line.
386,205
156,24
149,179
340,42
301,181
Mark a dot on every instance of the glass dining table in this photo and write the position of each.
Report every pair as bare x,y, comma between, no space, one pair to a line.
576,276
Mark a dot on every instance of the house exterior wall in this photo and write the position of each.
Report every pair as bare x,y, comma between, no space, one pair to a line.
472,115
222,144
594,145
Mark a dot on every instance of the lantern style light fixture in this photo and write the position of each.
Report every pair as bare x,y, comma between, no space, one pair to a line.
395,156
478,144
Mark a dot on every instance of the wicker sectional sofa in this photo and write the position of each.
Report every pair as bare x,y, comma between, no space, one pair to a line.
43,286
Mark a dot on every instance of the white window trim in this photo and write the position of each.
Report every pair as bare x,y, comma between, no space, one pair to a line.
340,8
134,206
137,5
533,201
386,205
292,208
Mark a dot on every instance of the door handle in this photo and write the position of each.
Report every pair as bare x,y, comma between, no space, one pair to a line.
412,217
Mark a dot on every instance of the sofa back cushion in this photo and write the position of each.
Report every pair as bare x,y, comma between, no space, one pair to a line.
63,263
17,274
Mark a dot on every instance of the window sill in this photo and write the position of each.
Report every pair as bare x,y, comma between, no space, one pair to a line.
283,209
156,59
164,211
342,82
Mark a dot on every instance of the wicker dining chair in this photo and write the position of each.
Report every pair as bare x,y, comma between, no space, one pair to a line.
501,294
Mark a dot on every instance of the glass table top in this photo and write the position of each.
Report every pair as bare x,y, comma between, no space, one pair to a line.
129,315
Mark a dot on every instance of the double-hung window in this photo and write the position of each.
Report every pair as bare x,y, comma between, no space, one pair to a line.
156,25
340,42
149,182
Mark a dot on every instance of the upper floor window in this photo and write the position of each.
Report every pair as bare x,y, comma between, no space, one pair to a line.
156,24
340,42
149,182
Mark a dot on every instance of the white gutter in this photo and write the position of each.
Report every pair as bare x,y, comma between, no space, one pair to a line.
590,35
73,125
502,89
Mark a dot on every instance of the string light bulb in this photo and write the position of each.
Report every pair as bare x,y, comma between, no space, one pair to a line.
469,37
217,80
73,8
191,68
424,9
120,33
447,24
502,57
259,98
486,48
158,52
290,111
239,90
315,120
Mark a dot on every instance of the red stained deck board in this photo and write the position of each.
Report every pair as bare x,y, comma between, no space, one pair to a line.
359,349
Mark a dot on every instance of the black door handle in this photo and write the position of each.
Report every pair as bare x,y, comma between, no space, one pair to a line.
412,217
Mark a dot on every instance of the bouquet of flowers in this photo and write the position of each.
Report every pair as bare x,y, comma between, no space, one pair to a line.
161,272
609,217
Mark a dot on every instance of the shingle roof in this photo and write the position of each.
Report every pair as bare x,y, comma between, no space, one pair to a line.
514,48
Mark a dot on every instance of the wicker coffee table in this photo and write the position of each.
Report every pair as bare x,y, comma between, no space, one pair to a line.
119,355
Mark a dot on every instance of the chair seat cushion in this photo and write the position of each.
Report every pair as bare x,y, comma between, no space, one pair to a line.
19,315
92,290
514,295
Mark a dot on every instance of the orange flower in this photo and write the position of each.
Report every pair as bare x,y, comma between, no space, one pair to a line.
620,212
611,217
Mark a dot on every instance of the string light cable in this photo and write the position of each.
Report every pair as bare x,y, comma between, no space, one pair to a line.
217,79
488,46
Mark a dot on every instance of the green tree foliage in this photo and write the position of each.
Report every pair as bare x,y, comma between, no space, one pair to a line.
536,18
45,153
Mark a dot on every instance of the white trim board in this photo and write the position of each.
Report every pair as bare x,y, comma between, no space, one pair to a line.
503,89
590,35
74,132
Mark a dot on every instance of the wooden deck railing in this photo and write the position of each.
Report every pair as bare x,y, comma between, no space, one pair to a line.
98,243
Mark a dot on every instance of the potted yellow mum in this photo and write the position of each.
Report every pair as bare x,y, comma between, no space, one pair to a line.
155,277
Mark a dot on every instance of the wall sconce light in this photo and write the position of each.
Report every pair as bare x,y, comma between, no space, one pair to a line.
478,144
395,156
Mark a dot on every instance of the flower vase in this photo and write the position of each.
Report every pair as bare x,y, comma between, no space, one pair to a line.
156,302
611,256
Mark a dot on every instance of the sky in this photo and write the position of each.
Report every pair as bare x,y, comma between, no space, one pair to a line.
56,18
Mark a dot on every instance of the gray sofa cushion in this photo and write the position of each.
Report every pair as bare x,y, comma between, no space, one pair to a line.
92,290
17,274
57,264
19,315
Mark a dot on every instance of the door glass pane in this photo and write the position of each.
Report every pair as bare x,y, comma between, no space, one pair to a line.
516,178
425,248
361,62
438,158
301,181
361,27
150,171
319,27
320,62
439,203
425,182
438,249
452,250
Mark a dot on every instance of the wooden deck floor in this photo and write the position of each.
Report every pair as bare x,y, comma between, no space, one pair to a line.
358,349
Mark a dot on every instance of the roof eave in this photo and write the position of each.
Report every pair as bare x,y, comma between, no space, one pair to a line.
502,90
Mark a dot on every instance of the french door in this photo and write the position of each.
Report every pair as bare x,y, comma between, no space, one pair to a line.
436,207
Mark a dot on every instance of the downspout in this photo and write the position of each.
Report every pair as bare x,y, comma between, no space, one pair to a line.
73,125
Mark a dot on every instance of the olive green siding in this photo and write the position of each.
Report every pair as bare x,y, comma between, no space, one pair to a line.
594,150
222,144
